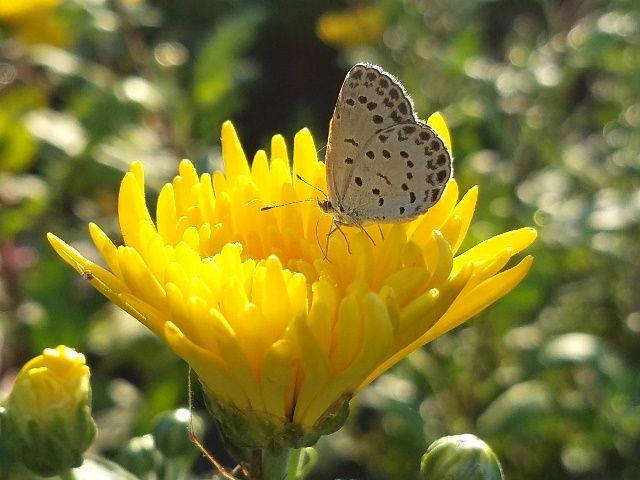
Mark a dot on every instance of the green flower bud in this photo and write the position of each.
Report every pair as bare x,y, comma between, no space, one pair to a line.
460,457
171,432
48,423
141,457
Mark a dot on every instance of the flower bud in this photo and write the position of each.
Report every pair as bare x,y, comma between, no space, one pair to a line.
48,423
460,457
171,432
140,457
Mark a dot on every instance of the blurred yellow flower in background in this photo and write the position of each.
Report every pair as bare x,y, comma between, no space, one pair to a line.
359,25
34,21
276,332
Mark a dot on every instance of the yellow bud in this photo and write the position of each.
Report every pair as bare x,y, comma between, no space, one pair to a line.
48,414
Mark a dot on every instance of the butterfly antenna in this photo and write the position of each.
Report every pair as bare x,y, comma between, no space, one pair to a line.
311,185
196,441
321,149
269,207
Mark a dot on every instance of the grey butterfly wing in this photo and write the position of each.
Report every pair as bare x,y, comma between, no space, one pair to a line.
370,100
402,172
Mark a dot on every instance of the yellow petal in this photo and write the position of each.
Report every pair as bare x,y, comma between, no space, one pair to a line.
484,295
517,240
316,368
437,122
235,162
211,370
376,345
278,379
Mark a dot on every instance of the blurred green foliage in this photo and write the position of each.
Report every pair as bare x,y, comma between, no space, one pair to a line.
543,100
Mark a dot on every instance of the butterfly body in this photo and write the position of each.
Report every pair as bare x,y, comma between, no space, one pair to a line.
382,163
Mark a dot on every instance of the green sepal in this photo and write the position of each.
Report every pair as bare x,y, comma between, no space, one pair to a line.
51,449
253,429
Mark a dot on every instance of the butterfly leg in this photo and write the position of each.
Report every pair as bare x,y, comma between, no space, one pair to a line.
367,234
325,252
381,232
343,236
326,245
335,228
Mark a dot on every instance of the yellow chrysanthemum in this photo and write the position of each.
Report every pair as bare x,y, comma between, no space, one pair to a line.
249,300
33,21
355,26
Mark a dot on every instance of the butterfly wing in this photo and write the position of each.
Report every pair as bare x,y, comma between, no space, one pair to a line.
402,172
370,101
383,164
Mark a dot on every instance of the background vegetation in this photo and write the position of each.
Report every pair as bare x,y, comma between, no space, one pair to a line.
543,99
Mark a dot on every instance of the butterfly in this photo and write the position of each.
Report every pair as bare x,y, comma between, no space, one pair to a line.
383,164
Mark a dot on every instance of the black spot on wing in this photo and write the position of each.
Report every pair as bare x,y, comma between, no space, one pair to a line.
384,177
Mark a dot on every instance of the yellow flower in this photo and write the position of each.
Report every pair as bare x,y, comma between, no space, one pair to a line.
356,26
58,376
33,21
248,299
47,417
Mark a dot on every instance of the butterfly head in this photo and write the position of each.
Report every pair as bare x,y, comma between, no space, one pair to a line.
326,206
339,214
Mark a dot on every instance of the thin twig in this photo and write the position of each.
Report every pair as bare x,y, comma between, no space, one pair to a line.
256,464
199,444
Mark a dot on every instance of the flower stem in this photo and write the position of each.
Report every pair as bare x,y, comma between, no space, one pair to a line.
293,463
274,465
